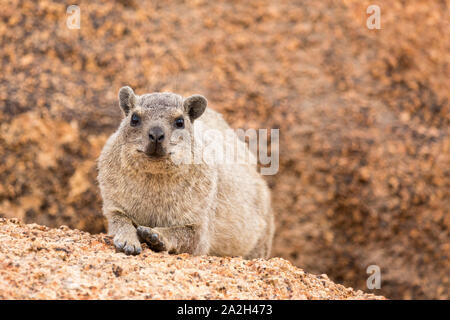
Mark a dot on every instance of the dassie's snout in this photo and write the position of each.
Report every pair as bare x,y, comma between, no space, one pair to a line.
156,135
155,146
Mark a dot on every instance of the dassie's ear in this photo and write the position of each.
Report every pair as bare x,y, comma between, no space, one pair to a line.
195,106
127,99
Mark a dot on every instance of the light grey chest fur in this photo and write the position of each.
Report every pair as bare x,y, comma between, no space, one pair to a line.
156,202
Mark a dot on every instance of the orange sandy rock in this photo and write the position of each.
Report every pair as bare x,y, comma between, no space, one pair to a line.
364,117
38,262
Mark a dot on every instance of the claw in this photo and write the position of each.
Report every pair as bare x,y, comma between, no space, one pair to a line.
119,245
152,238
127,247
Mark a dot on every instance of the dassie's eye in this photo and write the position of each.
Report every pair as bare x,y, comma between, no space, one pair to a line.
135,120
179,123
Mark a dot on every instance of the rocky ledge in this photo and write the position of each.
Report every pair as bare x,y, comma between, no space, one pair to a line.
37,262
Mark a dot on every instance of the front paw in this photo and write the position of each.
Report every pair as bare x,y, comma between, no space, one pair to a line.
152,238
127,243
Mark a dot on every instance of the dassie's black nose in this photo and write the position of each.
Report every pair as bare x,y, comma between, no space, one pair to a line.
156,134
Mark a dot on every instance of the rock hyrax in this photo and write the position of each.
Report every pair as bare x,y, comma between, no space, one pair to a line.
198,208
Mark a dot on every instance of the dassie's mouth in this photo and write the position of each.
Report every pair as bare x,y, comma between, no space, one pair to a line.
155,156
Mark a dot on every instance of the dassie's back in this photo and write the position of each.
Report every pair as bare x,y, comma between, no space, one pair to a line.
243,199
214,120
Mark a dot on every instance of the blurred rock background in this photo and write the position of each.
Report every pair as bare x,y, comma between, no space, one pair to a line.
364,117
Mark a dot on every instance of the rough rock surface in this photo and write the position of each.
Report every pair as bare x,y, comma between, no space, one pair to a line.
364,117
37,262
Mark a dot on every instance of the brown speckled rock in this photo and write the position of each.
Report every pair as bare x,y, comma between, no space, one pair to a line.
37,262
364,117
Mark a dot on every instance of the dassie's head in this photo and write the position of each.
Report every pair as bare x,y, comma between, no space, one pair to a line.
157,129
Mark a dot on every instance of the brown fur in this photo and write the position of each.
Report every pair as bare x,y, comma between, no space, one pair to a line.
215,209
